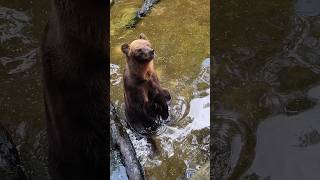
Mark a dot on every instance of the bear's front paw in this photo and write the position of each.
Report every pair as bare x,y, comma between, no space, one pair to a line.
155,110
164,112
164,115
166,94
161,98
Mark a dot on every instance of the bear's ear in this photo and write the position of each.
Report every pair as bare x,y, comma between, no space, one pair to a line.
143,36
125,48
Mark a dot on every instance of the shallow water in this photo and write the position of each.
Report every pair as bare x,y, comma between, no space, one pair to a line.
21,107
179,32
266,90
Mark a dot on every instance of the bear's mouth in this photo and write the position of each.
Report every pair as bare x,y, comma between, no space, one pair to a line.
152,56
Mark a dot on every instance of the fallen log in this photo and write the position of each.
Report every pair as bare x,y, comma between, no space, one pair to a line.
143,11
122,141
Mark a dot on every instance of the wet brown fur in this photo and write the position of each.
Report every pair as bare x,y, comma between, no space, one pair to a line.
145,100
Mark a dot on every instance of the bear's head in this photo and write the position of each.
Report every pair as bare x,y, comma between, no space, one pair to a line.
139,50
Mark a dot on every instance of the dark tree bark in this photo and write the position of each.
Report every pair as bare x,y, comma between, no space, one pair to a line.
75,59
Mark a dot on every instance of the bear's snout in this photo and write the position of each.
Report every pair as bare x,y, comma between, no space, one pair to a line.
151,53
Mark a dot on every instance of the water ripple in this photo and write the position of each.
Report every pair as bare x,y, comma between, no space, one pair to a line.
21,63
13,24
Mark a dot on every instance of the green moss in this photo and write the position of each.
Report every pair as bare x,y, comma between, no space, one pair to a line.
296,78
297,105
315,30
132,22
202,86
121,18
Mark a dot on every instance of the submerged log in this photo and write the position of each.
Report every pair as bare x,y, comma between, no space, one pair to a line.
10,164
146,7
121,139
143,11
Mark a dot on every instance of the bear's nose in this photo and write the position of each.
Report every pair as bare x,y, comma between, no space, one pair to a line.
152,51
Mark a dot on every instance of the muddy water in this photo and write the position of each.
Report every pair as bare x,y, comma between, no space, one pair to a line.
266,122
179,32
21,108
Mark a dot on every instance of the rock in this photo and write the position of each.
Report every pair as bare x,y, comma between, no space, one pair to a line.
10,164
203,173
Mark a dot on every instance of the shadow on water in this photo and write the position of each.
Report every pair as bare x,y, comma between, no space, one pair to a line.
266,90
21,107
179,32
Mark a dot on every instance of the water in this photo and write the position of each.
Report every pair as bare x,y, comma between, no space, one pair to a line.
179,32
266,88
21,106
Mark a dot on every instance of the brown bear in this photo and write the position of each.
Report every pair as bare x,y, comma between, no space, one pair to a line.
75,59
145,100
